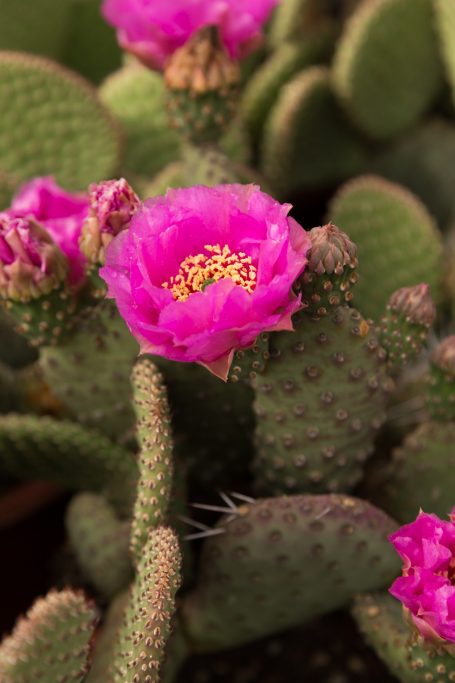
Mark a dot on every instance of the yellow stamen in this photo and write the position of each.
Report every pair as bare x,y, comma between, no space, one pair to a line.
197,272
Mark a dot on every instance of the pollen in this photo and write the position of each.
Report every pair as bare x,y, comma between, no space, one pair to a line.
218,263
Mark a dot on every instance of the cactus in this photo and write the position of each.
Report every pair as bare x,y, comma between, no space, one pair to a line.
268,80
148,617
60,127
64,452
241,595
306,140
52,642
380,620
100,348
386,68
101,549
155,457
319,404
379,216
422,162
420,474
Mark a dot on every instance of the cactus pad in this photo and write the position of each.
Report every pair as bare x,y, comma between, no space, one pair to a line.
387,70
380,620
44,448
148,618
51,643
100,543
155,457
306,139
283,561
397,240
318,404
53,123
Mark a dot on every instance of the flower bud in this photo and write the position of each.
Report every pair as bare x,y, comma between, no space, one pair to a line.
113,203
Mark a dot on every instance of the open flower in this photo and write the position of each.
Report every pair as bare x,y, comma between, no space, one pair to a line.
427,587
61,213
153,29
202,271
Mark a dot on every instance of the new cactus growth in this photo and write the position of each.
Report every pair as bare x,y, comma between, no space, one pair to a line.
195,336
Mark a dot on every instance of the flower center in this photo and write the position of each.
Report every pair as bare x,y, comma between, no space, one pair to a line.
200,271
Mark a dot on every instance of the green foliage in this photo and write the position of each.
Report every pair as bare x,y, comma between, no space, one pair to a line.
283,561
397,240
51,642
445,22
100,542
53,124
387,70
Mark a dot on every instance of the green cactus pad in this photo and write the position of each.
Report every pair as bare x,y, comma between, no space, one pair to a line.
106,641
421,474
282,562
445,23
136,97
397,240
319,404
423,161
248,362
172,175
298,20
51,643
7,186
100,543
306,140
381,621
387,70
264,87
90,374
44,321
43,448
155,457
53,123
148,618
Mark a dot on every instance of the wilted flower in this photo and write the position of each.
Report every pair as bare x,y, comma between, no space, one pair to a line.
427,587
61,213
202,271
113,203
153,29
31,264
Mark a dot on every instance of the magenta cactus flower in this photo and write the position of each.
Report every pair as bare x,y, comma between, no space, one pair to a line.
202,271
31,264
113,203
61,213
153,29
427,586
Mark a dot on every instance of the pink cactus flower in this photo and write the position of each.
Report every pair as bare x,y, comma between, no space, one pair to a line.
427,586
113,203
31,264
202,271
61,213
153,29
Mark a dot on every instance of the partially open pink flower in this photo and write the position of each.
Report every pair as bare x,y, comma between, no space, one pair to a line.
61,213
153,29
427,587
202,271
31,264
